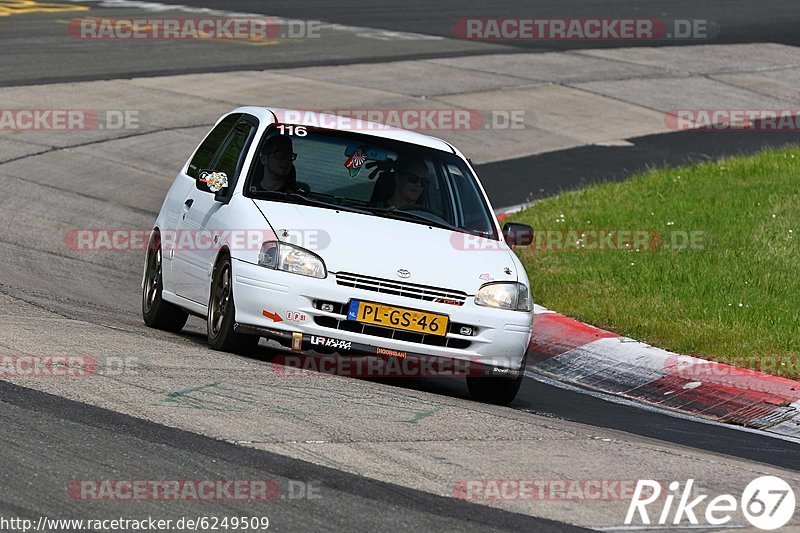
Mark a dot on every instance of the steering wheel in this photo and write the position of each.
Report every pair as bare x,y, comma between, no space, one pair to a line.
423,209
417,207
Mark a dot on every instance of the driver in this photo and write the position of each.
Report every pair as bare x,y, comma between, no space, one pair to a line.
277,156
410,181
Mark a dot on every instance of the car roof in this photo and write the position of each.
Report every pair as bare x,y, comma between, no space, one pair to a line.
344,123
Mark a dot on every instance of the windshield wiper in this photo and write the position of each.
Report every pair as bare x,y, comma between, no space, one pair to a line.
296,197
407,215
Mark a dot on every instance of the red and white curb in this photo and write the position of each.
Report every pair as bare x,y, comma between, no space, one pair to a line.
569,351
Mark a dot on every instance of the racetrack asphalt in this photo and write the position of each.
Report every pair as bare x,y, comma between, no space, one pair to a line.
51,442
38,49
379,469
525,179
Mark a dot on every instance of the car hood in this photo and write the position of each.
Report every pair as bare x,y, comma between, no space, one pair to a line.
380,247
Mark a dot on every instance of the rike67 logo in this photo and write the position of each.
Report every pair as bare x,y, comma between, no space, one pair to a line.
768,503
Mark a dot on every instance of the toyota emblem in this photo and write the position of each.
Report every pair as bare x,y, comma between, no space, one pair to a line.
403,273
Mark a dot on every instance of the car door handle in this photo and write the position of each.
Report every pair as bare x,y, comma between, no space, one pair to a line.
188,203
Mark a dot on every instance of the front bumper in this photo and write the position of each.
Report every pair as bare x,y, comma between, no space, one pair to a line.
281,306
350,363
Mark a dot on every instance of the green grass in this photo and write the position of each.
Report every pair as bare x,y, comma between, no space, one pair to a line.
735,299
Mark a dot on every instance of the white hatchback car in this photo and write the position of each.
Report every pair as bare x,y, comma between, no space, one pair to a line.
333,236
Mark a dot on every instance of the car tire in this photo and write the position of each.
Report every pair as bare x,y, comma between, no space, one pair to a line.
156,312
222,313
495,389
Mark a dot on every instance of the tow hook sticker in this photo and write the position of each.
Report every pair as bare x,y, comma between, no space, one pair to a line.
297,342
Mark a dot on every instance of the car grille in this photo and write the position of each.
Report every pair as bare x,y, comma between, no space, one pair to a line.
399,288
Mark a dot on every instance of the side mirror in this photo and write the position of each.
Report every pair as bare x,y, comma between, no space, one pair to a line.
213,182
517,234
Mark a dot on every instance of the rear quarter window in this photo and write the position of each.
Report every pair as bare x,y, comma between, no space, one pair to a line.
205,153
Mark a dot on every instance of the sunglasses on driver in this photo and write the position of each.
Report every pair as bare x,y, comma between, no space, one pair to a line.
282,156
414,178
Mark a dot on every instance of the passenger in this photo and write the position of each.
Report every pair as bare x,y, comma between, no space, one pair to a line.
410,181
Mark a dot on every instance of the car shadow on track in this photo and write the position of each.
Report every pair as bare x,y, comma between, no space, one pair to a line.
273,353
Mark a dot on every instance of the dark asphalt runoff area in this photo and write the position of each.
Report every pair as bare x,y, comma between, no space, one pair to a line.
739,21
517,181
37,47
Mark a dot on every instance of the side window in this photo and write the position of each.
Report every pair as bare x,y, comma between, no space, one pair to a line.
205,154
232,154
474,212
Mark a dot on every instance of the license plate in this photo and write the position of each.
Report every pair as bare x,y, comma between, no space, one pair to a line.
397,318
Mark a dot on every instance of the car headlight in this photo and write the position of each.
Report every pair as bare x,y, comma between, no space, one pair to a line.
281,256
513,296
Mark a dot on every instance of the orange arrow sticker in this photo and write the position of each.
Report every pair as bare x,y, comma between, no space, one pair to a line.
275,317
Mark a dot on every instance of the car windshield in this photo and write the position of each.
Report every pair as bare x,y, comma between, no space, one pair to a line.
370,175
